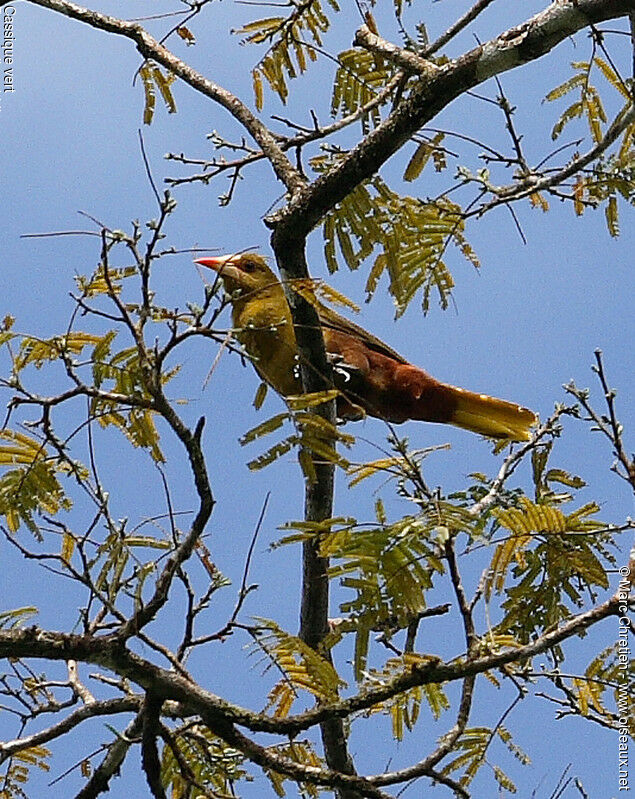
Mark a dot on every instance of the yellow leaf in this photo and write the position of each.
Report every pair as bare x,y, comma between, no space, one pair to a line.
305,460
272,454
261,393
264,428
186,34
538,201
421,157
578,195
23,449
610,212
145,72
164,88
68,547
301,402
311,290
258,89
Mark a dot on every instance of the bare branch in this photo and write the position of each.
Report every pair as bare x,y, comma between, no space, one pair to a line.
530,185
609,426
108,651
100,779
149,752
406,59
150,48
526,42
458,26
513,460
105,707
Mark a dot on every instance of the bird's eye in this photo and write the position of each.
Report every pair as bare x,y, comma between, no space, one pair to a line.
248,266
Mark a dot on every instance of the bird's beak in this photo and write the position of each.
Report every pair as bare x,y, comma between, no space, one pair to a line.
222,264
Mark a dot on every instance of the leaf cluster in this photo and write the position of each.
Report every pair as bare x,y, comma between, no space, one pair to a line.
552,556
612,670
152,77
293,39
473,745
31,487
17,774
389,568
412,237
210,763
404,708
612,176
313,435
127,373
359,77
303,668
303,753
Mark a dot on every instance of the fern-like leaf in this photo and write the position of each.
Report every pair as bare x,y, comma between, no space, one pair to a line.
359,77
412,238
292,40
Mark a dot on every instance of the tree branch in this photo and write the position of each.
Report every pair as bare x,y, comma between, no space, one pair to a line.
531,184
150,48
526,42
406,59
106,707
458,26
109,653
301,139
99,781
149,753
347,785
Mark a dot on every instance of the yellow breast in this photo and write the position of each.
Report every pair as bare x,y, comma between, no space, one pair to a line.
264,327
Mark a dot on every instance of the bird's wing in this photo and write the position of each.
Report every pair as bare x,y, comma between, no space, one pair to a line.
331,320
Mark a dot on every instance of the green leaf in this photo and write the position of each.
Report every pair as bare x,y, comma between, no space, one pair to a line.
22,449
12,619
561,476
24,491
566,87
303,668
145,73
264,428
163,82
261,393
272,454
422,155
359,77
302,402
292,39
39,351
212,763
610,211
412,237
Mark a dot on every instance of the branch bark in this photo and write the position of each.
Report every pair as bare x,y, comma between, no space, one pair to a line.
99,781
438,87
106,707
150,48
524,43
109,652
222,717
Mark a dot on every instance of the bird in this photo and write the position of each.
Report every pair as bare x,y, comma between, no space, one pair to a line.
372,378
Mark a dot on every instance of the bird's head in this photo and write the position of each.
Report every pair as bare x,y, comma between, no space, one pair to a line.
245,271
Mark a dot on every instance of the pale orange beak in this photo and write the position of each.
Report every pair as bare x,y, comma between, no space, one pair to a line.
215,263
221,264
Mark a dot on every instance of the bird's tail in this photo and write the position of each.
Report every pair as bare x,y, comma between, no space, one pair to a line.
490,416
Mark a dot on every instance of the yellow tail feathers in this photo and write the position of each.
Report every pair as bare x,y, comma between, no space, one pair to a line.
492,417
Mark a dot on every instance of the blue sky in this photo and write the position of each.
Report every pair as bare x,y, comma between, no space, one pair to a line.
526,323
